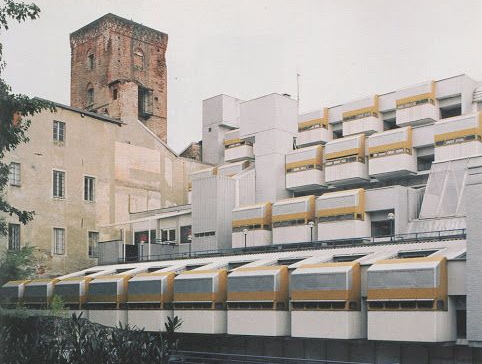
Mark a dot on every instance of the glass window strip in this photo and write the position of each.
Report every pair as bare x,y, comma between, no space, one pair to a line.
416,103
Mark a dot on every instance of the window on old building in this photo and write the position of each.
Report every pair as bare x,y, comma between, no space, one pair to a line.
90,96
93,242
59,241
89,189
185,234
114,94
91,61
14,174
144,102
138,59
58,131
13,236
58,184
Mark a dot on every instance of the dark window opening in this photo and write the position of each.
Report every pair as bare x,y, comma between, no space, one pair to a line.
425,163
390,124
450,111
415,254
114,94
337,134
234,265
347,258
13,236
90,96
91,62
461,319
144,102
381,228
289,261
186,234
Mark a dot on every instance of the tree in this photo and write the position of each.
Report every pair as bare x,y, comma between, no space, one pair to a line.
17,264
14,110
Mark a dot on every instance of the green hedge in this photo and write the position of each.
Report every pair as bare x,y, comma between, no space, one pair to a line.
57,340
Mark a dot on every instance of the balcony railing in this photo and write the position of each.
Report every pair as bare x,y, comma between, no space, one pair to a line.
320,244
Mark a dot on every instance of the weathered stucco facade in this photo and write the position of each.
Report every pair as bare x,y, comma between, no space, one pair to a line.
108,148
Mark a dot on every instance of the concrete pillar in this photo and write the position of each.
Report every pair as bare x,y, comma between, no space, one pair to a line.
474,251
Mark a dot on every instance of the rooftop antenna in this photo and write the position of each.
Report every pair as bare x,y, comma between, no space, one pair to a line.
297,86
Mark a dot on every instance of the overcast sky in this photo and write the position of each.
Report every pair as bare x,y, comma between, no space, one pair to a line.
343,49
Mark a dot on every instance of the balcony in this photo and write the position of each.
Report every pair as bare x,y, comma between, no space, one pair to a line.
341,215
412,291
458,137
258,301
304,169
251,226
362,117
38,292
11,293
313,128
325,301
345,160
391,154
149,298
73,291
236,149
417,105
291,218
199,300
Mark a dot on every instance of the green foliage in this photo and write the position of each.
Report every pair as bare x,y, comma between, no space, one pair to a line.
17,264
42,340
57,304
172,325
14,110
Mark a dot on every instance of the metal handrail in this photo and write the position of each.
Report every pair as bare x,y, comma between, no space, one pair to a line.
438,235
208,358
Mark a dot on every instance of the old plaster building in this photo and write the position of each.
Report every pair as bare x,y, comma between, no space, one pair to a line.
92,163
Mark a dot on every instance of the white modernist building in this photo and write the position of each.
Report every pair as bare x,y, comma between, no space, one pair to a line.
359,223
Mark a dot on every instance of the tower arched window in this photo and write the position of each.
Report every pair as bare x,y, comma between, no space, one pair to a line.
90,94
90,60
139,59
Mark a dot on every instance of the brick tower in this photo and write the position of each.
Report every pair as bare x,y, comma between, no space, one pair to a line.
118,67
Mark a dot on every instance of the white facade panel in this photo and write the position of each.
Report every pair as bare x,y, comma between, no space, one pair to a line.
416,115
329,324
422,136
272,141
213,201
335,114
418,326
149,320
313,136
258,322
344,172
305,180
293,234
459,85
253,238
343,144
272,111
393,165
221,109
344,229
246,187
387,101
202,321
456,151
270,178
238,153
367,125
110,318
457,123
